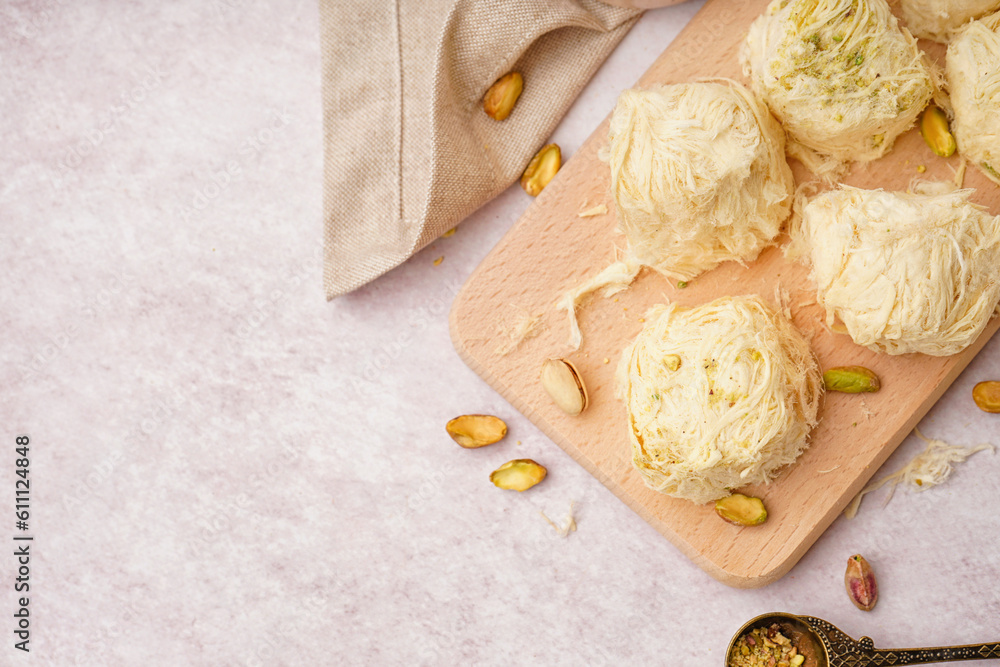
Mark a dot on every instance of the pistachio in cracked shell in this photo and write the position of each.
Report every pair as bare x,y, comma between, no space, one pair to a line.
860,583
474,431
564,385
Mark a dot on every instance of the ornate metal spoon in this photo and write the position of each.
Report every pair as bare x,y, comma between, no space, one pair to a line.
825,645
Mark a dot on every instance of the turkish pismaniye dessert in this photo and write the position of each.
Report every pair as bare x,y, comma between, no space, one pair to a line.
972,68
939,19
902,272
840,75
718,396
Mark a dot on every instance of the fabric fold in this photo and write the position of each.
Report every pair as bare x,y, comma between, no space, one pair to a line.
408,151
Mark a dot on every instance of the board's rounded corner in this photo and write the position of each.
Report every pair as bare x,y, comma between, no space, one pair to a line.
457,340
746,580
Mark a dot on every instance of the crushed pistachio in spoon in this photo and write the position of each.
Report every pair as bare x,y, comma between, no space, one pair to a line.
813,642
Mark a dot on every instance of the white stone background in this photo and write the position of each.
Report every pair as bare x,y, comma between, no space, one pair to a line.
228,470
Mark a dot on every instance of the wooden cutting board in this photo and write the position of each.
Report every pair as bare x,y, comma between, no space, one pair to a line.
551,249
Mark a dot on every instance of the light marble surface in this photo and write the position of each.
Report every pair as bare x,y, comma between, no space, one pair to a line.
230,471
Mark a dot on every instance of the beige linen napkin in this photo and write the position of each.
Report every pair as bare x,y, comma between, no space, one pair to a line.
408,150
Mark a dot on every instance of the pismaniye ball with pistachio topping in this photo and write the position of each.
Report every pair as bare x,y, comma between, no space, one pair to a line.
840,75
717,396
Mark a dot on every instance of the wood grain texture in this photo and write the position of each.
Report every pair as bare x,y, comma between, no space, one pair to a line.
551,249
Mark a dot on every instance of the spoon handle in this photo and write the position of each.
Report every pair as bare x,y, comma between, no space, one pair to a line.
919,656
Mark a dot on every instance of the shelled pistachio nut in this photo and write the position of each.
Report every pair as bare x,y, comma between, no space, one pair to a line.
741,510
672,361
473,431
541,169
936,133
851,380
860,583
500,99
987,396
564,385
518,475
